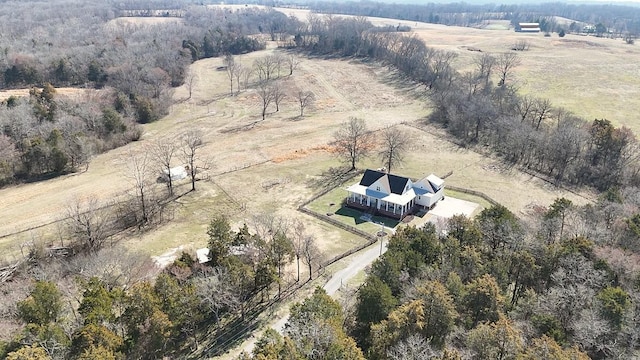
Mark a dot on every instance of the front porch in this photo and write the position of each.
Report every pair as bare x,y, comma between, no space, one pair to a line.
381,207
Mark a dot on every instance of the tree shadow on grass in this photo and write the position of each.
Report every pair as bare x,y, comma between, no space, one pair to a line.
330,178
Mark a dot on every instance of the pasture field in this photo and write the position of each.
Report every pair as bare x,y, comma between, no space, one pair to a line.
268,166
591,77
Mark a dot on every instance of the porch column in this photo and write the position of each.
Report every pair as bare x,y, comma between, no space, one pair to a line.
386,206
368,201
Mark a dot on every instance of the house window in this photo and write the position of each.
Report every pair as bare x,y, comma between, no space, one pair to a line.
419,198
378,188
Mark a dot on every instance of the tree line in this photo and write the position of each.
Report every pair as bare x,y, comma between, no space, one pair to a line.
523,130
621,19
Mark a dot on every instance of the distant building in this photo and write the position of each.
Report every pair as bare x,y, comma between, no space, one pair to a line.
528,27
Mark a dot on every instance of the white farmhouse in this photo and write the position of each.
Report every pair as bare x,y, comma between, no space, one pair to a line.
394,196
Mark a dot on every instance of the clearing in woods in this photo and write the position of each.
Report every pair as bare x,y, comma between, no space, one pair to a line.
267,166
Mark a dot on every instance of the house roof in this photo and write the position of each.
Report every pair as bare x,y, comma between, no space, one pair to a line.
370,176
397,184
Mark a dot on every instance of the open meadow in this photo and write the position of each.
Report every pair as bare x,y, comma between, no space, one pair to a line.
592,77
275,165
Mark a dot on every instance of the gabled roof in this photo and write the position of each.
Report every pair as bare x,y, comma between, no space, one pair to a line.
371,176
397,184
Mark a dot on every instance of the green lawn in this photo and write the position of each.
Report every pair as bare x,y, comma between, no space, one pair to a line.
332,203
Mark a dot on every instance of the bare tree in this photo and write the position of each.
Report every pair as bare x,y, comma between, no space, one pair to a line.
311,255
541,110
216,292
88,223
353,141
190,81
265,67
521,45
506,62
230,67
292,62
192,142
245,75
395,144
279,60
279,93
163,152
238,71
305,99
484,66
267,96
137,170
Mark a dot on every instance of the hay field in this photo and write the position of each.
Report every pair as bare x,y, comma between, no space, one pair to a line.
266,166
591,77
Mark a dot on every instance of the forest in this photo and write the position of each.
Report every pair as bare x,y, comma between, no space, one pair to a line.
560,283
132,69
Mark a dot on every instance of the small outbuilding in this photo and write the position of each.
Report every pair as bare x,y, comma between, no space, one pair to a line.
528,27
176,173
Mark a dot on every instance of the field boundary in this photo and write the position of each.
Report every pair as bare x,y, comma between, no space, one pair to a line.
474,193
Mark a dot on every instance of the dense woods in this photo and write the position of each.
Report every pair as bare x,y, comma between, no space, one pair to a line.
101,305
132,67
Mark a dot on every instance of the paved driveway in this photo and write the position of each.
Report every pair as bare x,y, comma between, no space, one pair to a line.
449,206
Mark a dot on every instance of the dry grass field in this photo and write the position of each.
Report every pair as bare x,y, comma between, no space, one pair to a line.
274,165
589,76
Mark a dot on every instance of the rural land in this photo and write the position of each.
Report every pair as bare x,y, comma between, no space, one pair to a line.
180,180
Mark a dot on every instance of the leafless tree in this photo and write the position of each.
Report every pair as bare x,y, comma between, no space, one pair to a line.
279,93
311,254
267,96
191,143
298,239
245,75
353,141
395,144
521,45
266,67
230,68
190,81
216,291
305,99
238,71
137,171
89,223
279,60
506,62
292,62
484,66
414,347
525,106
541,110
163,152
